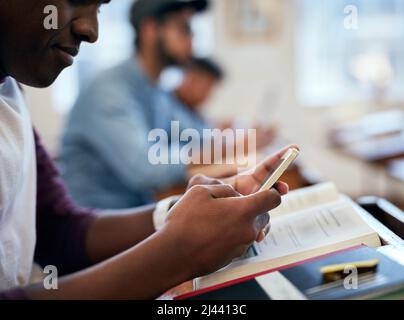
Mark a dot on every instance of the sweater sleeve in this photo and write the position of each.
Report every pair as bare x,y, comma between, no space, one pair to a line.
61,226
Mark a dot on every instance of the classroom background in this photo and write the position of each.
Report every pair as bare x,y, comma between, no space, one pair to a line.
329,74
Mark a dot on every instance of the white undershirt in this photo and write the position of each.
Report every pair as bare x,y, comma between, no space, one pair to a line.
17,188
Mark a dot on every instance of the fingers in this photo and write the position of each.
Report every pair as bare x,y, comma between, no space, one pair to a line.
204,180
263,234
262,171
260,202
217,191
267,229
262,221
282,187
261,237
223,191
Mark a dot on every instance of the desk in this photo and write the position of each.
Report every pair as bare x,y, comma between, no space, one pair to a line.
352,176
393,246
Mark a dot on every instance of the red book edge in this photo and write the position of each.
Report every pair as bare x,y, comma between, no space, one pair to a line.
253,276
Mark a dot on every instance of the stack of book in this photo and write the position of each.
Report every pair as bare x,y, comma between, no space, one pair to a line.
378,137
306,281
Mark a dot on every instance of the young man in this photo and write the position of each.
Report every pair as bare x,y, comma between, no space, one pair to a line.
108,255
201,77
104,156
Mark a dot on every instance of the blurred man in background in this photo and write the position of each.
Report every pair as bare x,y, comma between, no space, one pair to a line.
104,154
201,77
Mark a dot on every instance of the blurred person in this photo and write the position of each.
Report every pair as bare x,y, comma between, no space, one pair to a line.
104,156
107,255
200,79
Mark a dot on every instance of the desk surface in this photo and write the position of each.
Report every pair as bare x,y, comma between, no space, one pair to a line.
352,176
390,240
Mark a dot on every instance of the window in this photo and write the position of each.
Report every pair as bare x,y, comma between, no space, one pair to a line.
336,63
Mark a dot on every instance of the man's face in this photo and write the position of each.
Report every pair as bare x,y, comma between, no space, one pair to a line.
31,53
197,87
175,38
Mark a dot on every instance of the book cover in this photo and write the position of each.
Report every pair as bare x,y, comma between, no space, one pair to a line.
305,281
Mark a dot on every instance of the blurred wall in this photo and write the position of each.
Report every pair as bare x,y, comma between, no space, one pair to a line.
260,81
261,86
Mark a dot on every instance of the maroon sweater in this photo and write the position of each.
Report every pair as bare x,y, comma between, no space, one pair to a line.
61,226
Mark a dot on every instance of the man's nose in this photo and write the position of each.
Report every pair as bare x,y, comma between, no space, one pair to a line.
85,27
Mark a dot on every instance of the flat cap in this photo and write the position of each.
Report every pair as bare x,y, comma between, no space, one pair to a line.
152,8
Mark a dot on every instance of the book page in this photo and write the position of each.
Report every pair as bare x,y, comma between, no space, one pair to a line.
308,229
320,226
299,236
306,198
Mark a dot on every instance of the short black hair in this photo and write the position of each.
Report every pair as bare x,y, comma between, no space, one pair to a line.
159,17
207,65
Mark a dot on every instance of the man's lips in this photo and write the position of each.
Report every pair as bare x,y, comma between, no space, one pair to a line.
67,54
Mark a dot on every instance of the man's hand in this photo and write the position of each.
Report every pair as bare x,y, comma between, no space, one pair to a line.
249,182
252,180
215,224
211,225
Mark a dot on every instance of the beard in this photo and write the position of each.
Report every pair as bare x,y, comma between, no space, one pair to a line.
166,58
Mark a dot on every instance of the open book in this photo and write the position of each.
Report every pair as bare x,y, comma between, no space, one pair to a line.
310,222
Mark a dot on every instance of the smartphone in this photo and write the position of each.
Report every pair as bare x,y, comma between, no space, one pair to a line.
280,168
